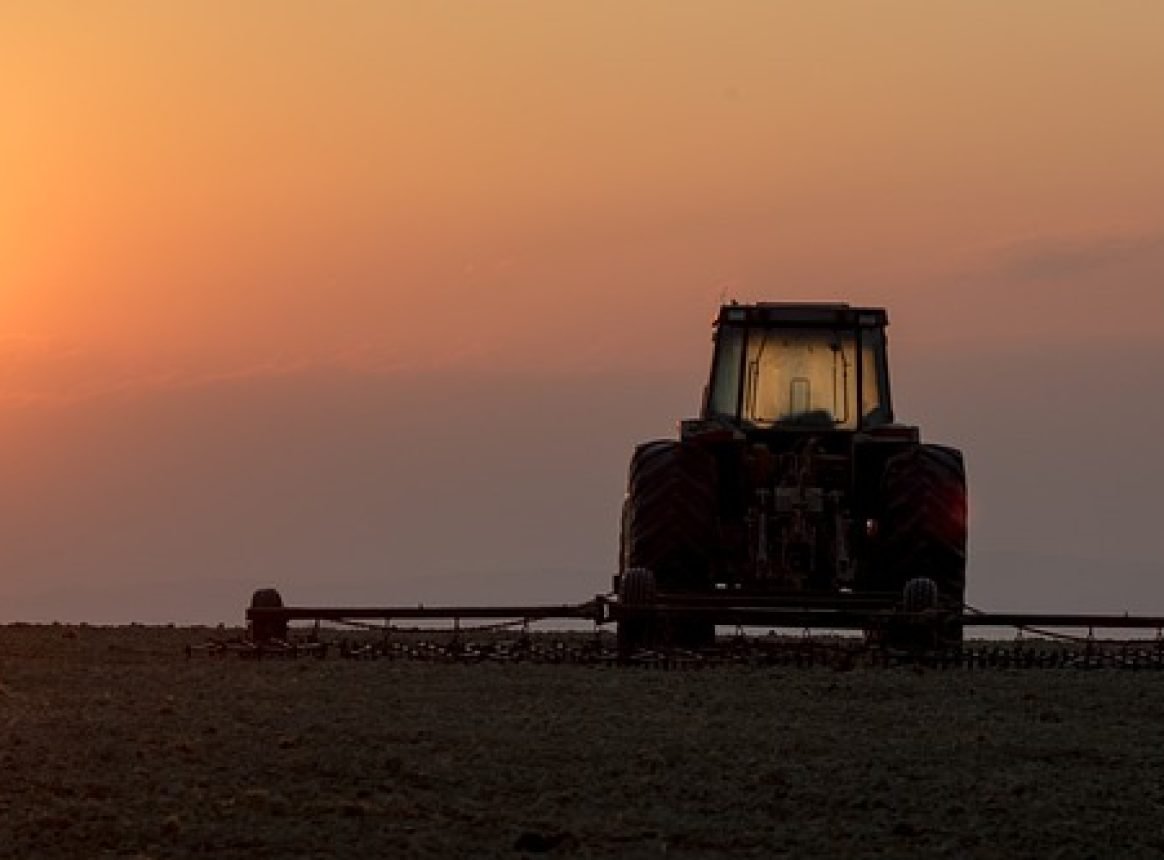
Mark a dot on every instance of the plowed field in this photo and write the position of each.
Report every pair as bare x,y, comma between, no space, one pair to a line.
112,743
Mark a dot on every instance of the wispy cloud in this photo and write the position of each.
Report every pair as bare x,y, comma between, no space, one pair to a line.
1062,258
42,372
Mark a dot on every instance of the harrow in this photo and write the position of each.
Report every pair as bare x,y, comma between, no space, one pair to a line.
793,630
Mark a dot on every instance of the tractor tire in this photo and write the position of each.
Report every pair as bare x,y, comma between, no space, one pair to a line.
923,629
671,526
637,587
672,514
923,522
919,595
623,543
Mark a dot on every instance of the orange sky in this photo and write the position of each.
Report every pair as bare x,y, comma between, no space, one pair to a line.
219,209
231,184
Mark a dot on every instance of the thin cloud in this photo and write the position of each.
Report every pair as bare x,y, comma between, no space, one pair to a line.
1062,258
44,373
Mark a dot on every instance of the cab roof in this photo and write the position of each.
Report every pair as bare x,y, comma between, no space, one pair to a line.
824,314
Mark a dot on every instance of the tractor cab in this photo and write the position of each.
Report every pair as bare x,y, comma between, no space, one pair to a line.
780,366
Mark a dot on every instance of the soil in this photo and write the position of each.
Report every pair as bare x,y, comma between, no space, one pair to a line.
113,743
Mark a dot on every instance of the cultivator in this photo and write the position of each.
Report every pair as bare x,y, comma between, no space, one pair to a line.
771,631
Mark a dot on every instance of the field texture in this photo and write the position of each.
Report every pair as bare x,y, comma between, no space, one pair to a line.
112,743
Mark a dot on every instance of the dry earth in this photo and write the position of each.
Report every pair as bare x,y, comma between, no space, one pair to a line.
112,743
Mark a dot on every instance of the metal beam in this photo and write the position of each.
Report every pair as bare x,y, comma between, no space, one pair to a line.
856,618
843,613
1051,619
588,611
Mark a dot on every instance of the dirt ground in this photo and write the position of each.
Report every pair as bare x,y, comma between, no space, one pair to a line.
112,743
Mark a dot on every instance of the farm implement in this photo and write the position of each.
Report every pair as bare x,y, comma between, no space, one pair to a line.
776,630
795,503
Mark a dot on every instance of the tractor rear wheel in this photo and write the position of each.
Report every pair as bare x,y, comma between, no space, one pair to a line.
919,595
670,526
637,587
923,524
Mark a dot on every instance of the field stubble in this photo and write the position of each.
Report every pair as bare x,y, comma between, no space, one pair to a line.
112,743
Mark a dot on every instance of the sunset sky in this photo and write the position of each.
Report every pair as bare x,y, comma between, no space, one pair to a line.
372,300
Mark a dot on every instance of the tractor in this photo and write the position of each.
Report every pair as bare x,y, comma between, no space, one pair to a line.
794,484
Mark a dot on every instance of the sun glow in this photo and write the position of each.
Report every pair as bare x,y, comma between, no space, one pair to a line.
266,179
